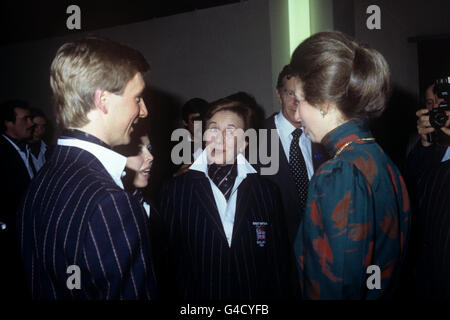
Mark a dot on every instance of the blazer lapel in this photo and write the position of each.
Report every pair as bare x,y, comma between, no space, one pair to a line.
207,203
16,162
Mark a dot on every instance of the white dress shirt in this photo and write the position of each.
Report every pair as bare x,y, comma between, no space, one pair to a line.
40,160
446,155
113,162
285,129
227,209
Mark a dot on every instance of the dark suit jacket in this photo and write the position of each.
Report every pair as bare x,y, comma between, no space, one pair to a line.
433,226
203,266
420,164
284,180
421,159
14,178
74,214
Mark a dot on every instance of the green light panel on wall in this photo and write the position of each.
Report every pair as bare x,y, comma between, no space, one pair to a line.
299,22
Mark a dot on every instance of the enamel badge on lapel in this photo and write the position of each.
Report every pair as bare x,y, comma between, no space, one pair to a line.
260,233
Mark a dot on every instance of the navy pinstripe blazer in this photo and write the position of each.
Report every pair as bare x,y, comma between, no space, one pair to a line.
202,265
74,214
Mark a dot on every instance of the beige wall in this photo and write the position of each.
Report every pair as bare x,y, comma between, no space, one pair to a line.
213,52
400,20
206,53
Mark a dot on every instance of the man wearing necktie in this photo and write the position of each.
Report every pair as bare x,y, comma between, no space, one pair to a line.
16,172
297,156
76,214
297,159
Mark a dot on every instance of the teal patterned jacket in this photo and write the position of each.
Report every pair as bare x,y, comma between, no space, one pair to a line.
357,215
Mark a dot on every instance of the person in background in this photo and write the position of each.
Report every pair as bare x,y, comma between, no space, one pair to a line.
135,180
430,101
358,211
16,172
16,168
193,110
298,156
422,158
425,153
38,147
428,177
138,166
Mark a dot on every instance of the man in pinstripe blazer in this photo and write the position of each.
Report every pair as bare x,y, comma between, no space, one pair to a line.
81,235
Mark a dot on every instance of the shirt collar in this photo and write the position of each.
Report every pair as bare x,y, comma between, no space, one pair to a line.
113,162
350,131
243,168
285,128
18,144
82,135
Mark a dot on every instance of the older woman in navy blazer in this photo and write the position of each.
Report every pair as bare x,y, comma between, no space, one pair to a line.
223,221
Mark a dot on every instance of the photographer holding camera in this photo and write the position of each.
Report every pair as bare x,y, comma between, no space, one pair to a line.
428,178
433,127
433,123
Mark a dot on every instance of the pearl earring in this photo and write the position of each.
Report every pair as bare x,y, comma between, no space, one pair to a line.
322,113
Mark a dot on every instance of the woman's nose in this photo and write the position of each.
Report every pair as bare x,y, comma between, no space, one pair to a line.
219,138
143,112
148,157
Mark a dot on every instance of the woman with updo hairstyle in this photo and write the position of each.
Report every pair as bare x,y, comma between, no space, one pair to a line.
351,241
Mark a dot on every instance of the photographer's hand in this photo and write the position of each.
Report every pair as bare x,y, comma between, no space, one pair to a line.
423,126
446,127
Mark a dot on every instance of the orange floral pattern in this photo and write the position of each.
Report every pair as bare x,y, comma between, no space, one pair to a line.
357,215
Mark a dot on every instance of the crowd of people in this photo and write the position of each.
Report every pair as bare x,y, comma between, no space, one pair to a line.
335,209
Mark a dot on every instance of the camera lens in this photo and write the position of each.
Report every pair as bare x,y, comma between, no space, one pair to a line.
437,118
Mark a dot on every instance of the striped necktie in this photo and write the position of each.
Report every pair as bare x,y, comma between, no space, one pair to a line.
223,177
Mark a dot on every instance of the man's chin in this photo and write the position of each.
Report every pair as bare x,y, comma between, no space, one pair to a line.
122,142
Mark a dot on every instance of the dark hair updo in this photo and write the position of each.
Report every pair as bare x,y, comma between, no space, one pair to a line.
335,69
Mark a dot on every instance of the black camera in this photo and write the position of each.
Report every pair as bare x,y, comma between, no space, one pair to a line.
438,117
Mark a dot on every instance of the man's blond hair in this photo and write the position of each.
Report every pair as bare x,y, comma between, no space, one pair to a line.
81,67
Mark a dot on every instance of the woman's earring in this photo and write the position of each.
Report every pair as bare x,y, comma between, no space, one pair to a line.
322,113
